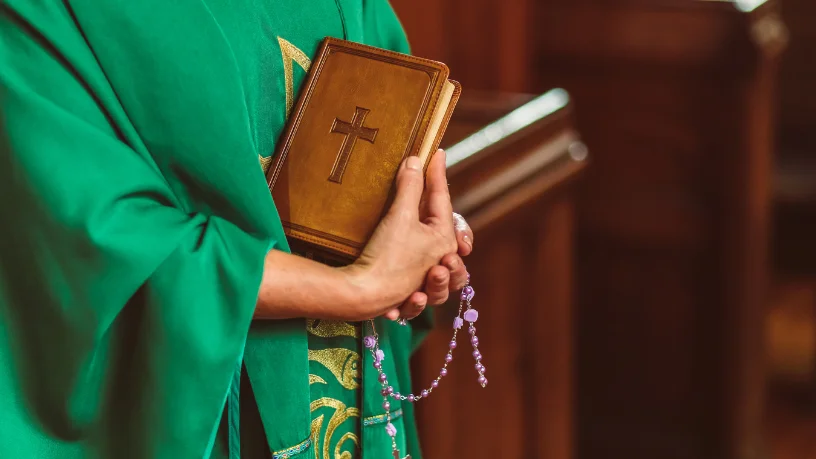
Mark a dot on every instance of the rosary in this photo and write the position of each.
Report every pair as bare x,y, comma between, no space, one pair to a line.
372,343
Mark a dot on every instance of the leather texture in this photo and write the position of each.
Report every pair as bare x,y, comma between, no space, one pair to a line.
361,111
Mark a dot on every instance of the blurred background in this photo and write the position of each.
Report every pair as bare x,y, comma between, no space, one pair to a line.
641,176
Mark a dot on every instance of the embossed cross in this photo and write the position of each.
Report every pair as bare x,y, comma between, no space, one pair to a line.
353,131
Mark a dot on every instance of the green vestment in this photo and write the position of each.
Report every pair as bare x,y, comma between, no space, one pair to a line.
135,223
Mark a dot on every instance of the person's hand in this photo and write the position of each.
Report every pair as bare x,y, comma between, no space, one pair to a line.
449,275
438,284
412,260
409,243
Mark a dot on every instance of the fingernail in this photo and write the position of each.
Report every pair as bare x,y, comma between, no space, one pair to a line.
467,240
413,163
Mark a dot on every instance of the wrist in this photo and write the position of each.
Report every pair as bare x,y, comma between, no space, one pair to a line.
364,287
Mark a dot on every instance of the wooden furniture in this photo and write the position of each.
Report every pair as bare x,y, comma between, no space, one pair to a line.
793,365
676,100
795,178
511,173
488,44
797,73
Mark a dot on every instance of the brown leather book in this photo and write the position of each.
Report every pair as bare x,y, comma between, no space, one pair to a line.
361,111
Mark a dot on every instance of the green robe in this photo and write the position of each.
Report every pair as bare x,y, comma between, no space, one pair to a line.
135,223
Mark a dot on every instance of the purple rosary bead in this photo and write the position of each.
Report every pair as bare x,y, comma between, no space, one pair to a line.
467,293
458,322
465,314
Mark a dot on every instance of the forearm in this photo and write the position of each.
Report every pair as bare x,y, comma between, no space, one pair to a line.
294,287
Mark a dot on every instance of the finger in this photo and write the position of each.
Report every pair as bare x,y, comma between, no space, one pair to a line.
437,285
457,271
413,306
409,186
464,235
393,314
437,194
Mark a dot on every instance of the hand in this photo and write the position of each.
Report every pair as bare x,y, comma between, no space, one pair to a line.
458,274
449,275
410,241
417,246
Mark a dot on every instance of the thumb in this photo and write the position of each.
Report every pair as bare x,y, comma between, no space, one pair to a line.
410,184
437,193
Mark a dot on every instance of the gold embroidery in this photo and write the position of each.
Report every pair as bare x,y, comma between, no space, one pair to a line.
341,415
291,53
343,364
265,163
331,328
313,379
343,439
317,424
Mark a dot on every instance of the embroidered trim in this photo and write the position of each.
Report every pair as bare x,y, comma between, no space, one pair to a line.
291,452
381,419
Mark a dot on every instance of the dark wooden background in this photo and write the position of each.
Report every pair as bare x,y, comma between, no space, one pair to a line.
687,107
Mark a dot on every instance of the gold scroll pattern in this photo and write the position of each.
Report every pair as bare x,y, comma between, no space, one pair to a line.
290,53
343,364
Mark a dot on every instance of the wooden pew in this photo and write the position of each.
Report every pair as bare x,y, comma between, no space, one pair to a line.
676,99
512,160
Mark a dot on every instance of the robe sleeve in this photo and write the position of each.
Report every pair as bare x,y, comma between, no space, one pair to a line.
123,314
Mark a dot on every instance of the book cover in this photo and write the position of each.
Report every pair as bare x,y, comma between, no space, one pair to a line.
360,113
